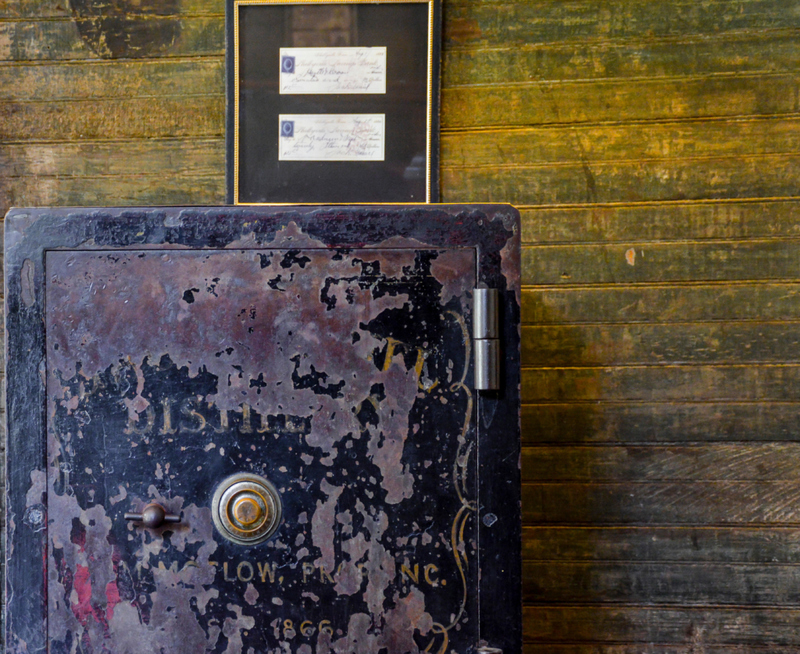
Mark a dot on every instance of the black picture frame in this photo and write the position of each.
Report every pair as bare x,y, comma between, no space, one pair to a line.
409,170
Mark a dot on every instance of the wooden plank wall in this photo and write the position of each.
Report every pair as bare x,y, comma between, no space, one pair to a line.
652,146
653,150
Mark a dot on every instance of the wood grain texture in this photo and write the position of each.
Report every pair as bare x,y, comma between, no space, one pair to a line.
659,544
112,159
474,22
641,344
657,221
18,9
570,101
58,39
675,383
200,116
104,80
704,503
625,181
101,190
646,463
646,58
685,584
629,303
649,648
678,140
693,628
623,421
660,262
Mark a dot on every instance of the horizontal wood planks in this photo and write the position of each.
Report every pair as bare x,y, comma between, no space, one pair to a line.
636,421
82,124
608,628
654,151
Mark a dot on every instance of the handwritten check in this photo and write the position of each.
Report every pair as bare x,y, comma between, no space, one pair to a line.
331,137
332,70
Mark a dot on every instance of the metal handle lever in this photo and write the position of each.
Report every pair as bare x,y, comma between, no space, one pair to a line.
152,516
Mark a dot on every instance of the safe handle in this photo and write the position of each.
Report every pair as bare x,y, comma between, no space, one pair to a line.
153,516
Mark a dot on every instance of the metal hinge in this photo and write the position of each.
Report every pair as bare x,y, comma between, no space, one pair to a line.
486,338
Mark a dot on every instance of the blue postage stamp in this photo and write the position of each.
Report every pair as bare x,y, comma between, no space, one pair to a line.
287,128
287,64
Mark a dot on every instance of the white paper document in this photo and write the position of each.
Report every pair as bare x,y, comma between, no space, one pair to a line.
331,137
333,70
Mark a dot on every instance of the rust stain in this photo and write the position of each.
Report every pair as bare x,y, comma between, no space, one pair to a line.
464,30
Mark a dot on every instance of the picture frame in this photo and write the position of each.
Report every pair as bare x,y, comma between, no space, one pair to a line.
332,102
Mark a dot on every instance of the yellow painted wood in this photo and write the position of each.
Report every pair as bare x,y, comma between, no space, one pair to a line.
661,303
638,142
626,181
686,261
618,100
661,221
95,160
635,344
475,22
198,116
648,58
141,189
106,80
17,9
55,39
673,383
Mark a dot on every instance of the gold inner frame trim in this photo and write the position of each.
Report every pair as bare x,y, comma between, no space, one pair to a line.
429,89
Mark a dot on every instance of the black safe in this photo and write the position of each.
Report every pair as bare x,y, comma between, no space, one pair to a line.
263,429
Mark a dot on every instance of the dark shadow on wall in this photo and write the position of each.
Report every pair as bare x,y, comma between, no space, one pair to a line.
580,510
557,421
127,29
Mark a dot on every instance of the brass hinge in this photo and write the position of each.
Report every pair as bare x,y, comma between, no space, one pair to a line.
486,338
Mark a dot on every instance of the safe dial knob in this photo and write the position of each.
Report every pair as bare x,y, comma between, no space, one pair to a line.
246,509
153,516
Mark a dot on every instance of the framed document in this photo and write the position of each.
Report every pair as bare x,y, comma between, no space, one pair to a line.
333,102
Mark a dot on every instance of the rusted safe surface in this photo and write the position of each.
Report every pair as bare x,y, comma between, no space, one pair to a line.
257,430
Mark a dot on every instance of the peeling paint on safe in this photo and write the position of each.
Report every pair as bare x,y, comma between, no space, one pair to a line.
335,374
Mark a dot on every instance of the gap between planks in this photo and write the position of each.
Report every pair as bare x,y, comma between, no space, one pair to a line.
594,164
688,120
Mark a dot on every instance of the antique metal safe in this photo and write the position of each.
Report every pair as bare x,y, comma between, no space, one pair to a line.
251,430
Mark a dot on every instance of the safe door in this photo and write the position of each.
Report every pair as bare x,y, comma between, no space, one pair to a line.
257,432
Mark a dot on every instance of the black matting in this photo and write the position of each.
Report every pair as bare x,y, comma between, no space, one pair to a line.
254,173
